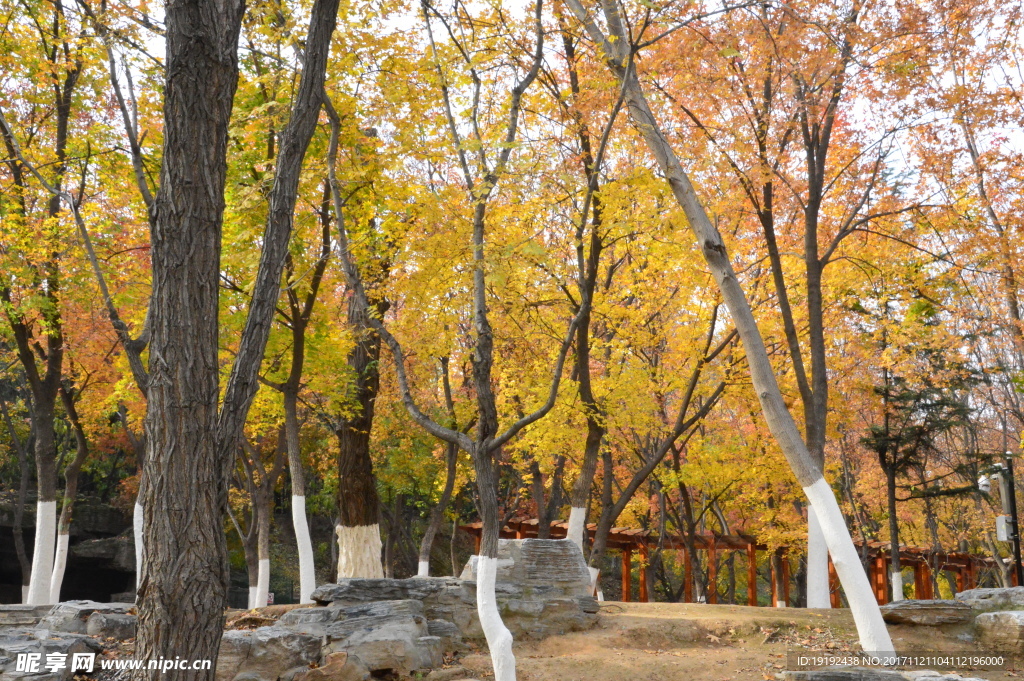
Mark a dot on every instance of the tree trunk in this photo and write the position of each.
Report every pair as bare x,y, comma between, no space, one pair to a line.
871,628
437,513
895,570
70,493
307,568
185,574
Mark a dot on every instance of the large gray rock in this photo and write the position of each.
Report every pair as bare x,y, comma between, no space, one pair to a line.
71,616
265,654
927,613
550,563
988,600
111,625
14,642
1001,630
550,593
383,635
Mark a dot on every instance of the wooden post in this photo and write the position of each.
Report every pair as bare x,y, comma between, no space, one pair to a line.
712,596
476,543
960,583
773,579
627,574
643,573
751,574
881,580
687,577
833,586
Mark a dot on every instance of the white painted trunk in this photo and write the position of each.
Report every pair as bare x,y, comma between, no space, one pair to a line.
24,594
307,569
137,525
252,597
575,532
817,564
781,604
897,585
359,552
595,586
262,584
499,638
874,637
423,569
60,561
42,553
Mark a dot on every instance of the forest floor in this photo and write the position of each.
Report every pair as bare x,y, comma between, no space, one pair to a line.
697,642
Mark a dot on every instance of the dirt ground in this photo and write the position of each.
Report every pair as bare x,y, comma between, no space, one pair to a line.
695,642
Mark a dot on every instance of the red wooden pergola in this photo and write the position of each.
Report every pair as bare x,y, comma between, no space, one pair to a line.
630,541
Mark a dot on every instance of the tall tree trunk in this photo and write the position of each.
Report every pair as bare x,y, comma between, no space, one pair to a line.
19,510
303,543
359,542
185,570
870,625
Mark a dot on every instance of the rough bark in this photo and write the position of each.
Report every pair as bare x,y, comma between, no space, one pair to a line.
190,445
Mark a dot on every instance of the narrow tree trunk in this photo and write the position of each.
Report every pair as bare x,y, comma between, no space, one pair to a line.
46,504
303,543
70,493
895,569
437,513
263,503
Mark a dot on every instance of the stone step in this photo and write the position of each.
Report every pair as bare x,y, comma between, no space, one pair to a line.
22,615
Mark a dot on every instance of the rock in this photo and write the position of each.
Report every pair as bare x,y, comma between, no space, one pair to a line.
111,625
844,674
14,642
383,635
124,597
355,591
264,654
988,600
113,553
71,616
337,667
551,563
451,637
16,615
533,610
1002,630
927,613
449,674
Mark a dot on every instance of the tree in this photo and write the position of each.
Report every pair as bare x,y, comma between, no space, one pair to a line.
189,442
619,50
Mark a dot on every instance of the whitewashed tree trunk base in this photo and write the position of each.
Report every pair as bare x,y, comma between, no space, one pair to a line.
42,553
60,561
874,637
307,568
24,594
499,638
359,550
576,530
252,597
137,525
423,568
897,585
262,583
817,564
